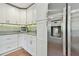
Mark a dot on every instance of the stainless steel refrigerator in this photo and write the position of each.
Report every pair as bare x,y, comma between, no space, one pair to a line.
56,29
63,29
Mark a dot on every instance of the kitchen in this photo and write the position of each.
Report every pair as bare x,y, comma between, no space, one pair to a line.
39,29
15,30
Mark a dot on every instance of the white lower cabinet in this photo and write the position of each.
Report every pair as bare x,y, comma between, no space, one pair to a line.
8,47
7,43
25,42
28,42
21,40
32,45
29,45
11,42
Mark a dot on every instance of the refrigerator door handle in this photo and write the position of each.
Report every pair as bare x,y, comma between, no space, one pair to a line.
64,30
69,30
66,24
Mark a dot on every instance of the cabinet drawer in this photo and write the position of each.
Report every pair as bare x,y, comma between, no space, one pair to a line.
11,43
8,47
7,39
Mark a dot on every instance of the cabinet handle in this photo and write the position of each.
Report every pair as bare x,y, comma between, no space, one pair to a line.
8,39
31,42
8,47
7,21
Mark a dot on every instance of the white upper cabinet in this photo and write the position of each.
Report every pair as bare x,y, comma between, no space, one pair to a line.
22,16
2,13
31,14
8,14
12,15
34,13
42,9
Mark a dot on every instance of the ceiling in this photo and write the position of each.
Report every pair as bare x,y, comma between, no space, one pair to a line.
22,5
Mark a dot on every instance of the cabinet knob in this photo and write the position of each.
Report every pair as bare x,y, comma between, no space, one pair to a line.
8,47
8,38
30,42
7,21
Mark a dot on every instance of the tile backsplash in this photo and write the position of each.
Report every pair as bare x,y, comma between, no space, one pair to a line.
8,27
31,28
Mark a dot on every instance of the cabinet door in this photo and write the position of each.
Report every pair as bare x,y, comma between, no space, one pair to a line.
21,40
2,13
34,13
8,39
42,9
8,47
29,44
13,15
29,16
7,43
26,42
34,45
22,17
42,38
8,14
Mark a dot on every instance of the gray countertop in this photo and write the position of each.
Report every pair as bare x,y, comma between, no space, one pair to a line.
16,32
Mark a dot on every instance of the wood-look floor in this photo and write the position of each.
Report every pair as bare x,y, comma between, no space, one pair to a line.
74,52
20,52
55,49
